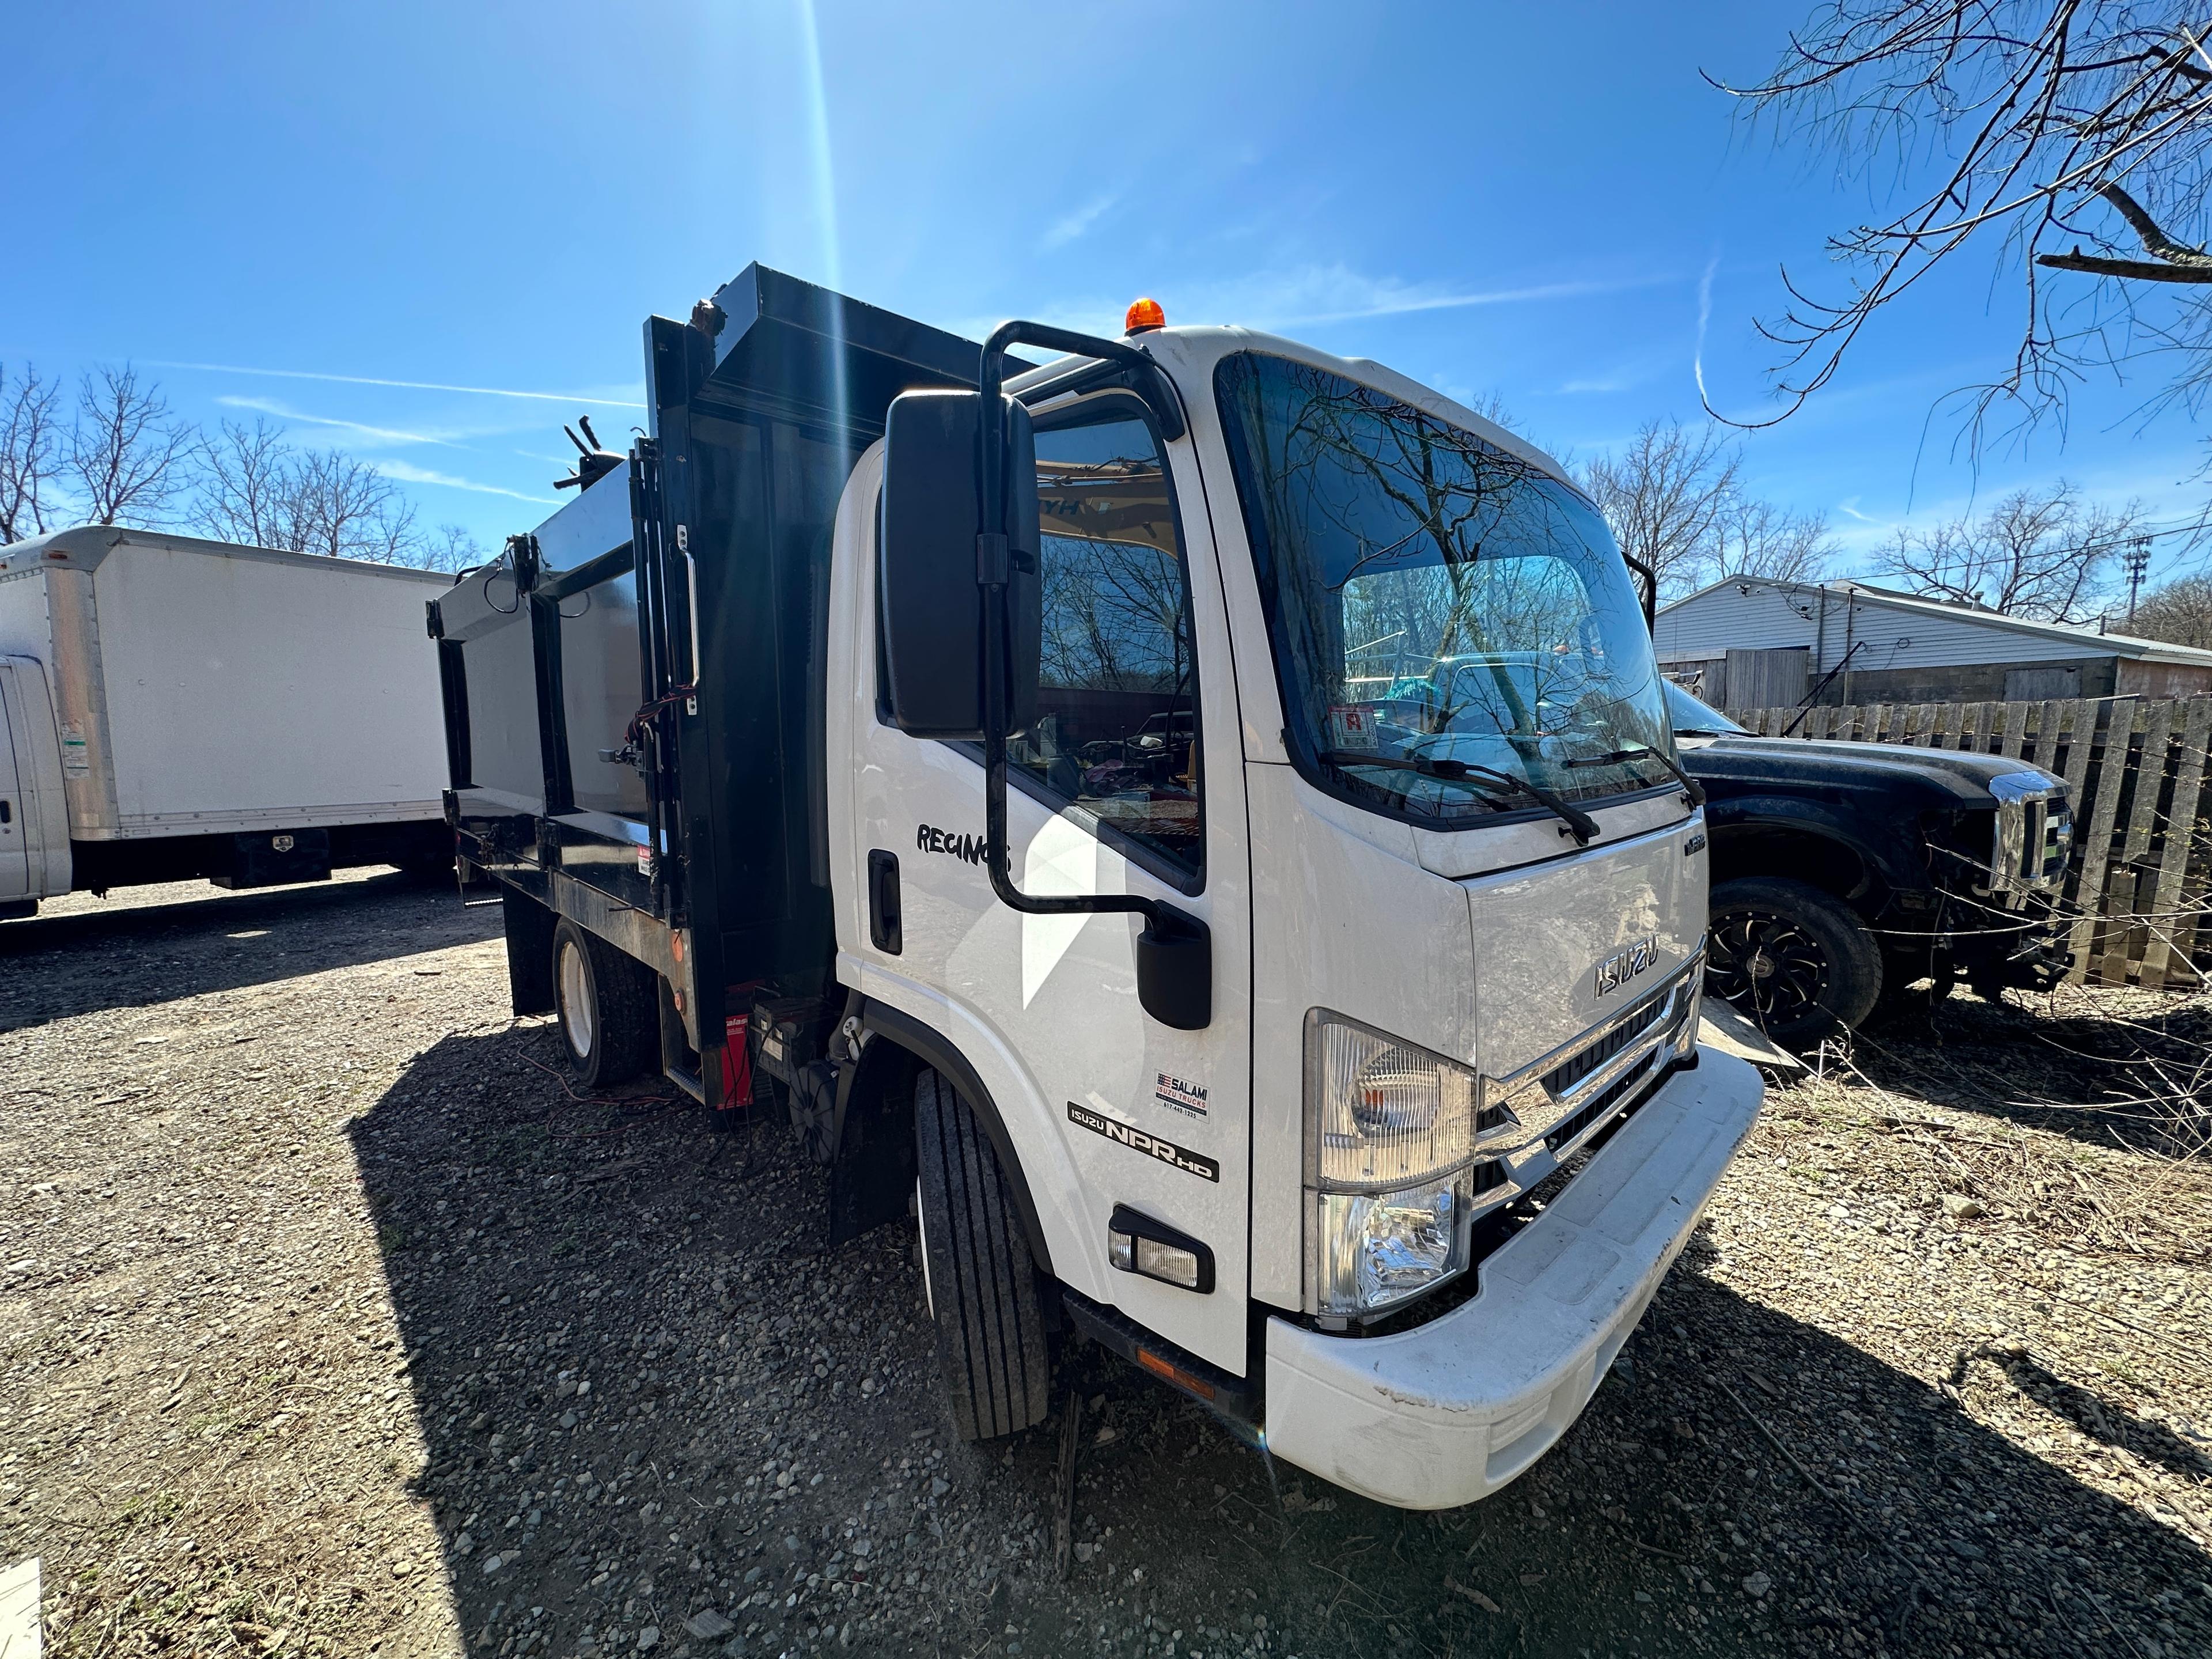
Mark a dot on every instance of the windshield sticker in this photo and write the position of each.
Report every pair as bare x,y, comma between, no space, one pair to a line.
1177,1096
1352,725
1137,1141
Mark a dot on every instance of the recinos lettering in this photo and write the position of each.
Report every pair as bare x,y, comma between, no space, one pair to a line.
928,838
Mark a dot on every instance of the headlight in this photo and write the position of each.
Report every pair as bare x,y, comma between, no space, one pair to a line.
1390,1136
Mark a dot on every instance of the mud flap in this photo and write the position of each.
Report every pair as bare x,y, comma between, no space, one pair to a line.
872,1174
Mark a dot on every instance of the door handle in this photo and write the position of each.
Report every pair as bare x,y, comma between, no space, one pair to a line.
884,932
7,812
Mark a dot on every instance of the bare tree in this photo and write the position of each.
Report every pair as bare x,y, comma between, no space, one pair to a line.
1758,539
449,547
2069,136
2180,612
2037,554
1667,496
29,452
245,487
127,455
346,508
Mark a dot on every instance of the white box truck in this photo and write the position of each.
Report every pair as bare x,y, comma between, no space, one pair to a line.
172,708
1194,821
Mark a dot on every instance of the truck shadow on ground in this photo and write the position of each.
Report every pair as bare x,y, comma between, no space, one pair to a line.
136,954
759,1464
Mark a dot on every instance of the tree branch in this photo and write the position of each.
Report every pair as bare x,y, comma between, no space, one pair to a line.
2148,270
2155,241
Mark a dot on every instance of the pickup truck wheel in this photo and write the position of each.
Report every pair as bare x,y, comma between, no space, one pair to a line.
610,1022
1793,961
976,1271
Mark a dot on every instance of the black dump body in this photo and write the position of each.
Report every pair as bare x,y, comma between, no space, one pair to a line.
661,784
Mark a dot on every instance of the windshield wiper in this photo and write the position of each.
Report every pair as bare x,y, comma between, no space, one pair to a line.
1464,773
1691,786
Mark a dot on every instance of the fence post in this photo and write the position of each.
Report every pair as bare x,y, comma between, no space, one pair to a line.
2161,961
2097,851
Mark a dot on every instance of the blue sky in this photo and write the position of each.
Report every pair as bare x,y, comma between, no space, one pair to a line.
384,223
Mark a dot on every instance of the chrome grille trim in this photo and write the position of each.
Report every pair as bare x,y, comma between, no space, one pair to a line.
1556,1088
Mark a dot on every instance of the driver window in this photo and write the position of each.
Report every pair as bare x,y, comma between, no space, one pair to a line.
1117,726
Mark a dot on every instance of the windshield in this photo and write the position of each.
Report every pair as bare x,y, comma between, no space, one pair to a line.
1692,718
1436,604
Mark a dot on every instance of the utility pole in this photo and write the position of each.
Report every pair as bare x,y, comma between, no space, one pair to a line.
2136,559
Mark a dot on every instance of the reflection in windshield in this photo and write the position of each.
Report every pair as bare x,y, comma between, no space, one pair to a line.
1434,598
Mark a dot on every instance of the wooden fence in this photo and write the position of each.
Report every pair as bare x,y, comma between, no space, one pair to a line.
2141,866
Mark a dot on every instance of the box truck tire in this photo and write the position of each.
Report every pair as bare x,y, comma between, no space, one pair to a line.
981,1284
610,1024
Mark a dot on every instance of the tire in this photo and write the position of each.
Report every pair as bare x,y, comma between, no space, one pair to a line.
1794,962
976,1271
608,1014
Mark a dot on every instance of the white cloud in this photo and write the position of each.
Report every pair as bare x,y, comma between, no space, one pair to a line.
407,386
373,433
406,473
1310,296
1069,227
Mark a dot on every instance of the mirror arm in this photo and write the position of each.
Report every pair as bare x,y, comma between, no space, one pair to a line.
991,574
1148,381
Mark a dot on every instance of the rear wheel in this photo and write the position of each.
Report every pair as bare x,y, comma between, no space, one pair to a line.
610,1024
1794,962
976,1271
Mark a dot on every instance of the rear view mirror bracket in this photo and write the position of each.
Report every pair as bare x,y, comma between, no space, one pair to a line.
1174,954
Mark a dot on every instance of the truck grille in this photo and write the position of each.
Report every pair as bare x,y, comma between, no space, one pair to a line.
1566,1096
1562,1077
2033,839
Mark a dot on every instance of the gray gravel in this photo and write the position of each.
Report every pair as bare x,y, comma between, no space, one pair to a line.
332,1322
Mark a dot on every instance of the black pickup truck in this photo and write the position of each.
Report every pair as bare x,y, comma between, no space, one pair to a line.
1855,879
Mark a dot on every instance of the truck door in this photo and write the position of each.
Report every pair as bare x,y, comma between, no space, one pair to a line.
1129,782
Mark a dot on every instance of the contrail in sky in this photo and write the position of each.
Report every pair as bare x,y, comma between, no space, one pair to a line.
1704,316
409,385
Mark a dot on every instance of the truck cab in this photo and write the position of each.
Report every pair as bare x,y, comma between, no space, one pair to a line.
1202,998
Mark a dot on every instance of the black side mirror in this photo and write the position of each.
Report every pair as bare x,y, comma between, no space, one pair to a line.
932,565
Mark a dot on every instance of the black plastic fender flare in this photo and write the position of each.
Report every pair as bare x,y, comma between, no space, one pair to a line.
1888,855
935,1050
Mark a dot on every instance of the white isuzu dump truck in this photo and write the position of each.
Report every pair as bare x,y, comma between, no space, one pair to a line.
172,708
1194,820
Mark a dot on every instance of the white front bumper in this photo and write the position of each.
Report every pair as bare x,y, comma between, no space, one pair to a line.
1452,1410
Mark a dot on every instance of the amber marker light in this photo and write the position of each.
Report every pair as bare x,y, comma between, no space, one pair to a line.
1144,315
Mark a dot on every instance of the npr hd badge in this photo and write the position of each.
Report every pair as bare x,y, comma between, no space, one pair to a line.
1137,1141
1617,969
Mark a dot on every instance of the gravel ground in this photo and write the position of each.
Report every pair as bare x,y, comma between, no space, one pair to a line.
330,1321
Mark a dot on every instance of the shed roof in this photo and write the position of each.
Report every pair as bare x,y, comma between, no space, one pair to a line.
2087,642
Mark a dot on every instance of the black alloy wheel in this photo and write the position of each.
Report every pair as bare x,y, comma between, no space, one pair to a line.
1790,958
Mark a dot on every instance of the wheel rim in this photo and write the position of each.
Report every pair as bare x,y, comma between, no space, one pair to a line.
1766,966
575,1000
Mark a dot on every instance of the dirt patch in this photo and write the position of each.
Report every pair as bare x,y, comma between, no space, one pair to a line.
331,1322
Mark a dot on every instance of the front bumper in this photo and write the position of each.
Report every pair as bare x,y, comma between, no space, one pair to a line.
1451,1411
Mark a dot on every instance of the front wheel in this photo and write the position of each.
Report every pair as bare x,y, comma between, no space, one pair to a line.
1788,958
976,1271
